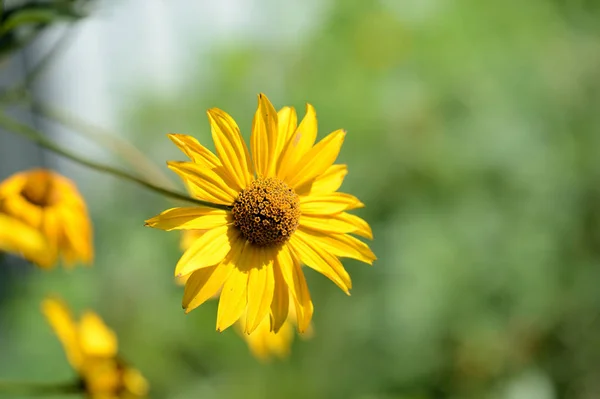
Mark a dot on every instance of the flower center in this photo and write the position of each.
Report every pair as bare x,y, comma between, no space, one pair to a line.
40,192
266,212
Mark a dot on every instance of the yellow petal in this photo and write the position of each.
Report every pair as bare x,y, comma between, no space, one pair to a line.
77,237
280,305
189,218
203,284
327,204
317,160
287,121
208,250
195,151
51,226
261,285
204,183
294,277
17,237
188,237
343,245
265,344
14,184
233,299
328,182
264,137
135,383
299,143
60,319
340,223
231,147
95,338
322,261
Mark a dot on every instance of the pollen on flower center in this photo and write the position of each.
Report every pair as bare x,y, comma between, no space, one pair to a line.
266,212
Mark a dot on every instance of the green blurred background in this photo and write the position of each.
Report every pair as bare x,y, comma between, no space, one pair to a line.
473,139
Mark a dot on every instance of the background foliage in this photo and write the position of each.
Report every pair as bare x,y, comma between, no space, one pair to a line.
472,138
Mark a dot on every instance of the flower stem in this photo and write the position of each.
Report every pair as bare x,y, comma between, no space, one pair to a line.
112,142
39,388
24,130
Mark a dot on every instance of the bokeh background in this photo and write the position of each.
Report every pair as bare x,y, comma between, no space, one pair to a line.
473,138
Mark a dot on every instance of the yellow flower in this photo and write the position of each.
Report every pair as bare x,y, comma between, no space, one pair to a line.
20,238
51,204
92,350
282,211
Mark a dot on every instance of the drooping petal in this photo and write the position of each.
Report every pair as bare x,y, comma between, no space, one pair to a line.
231,147
17,237
234,297
203,284
281,296
317,160
95,338
299,143
263,140
60,319
189,218
204,183
304,311
265,344
77,237
208,250
328,204
342,245
23,210
294,277
338,224
14,184
195,151
51,226
328,182
261,285
320,260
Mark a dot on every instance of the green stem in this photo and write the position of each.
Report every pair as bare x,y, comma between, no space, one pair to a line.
33,135
39,388
113,142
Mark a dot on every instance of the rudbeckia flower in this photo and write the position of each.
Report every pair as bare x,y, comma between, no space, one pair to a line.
280,210
51,204
91,349
19,238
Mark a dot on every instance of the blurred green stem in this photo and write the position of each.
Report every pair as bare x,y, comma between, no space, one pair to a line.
17,127
37,388
113,142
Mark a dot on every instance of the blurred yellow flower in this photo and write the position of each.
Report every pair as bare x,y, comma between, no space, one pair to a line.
92,350
265,344
20,238
51,204
283,211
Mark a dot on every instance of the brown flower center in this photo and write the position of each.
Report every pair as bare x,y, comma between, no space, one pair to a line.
266,212
40,191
